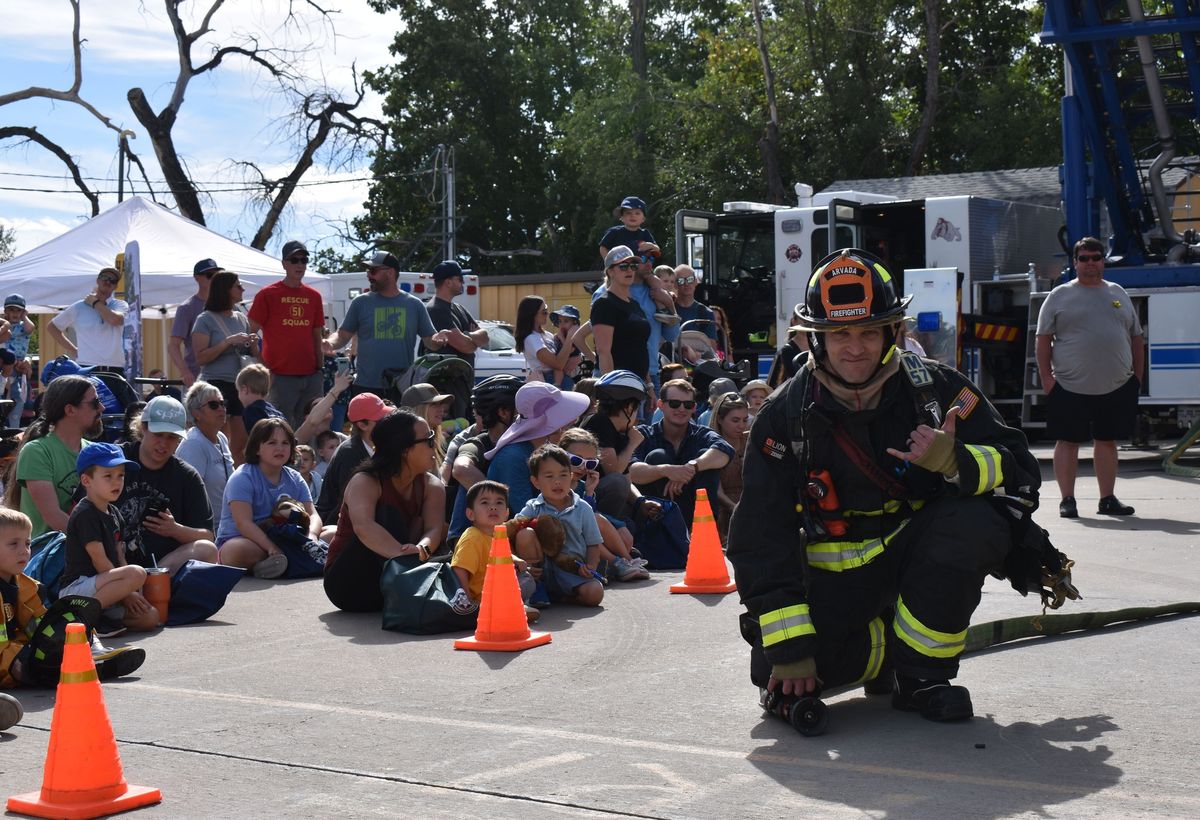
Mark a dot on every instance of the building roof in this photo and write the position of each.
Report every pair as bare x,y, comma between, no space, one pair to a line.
1038,186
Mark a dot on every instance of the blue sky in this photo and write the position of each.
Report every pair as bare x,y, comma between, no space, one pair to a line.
229,114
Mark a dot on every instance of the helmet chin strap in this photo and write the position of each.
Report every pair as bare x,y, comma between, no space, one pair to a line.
821,357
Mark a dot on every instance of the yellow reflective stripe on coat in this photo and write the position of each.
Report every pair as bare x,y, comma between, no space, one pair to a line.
839,556
878,639
987,461
890,506
781,624
928,642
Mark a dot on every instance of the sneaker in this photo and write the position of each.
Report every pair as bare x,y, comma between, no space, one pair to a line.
626,571
1068,509
122,661
933,699
11,711
532,614
1109,505
272,566
666,318
108,627
540,597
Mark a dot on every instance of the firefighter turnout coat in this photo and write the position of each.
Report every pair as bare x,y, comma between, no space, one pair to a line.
904,572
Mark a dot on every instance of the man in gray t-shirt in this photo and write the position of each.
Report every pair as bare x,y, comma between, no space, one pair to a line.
388,322
180,346
1090,354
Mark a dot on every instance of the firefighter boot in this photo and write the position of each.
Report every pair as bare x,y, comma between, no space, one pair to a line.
934,699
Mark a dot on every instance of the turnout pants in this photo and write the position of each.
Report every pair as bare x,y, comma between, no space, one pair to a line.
913,602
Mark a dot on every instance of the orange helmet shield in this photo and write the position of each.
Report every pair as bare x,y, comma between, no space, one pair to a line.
847,290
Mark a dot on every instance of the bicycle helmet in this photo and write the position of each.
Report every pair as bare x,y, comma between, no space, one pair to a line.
496,393
620,386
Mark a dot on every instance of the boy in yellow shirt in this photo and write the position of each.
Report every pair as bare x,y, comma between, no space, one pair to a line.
487,506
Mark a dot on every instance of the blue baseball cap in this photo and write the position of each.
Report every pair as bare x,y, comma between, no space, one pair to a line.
103,454
14,300
628,204
570,311
208,267
447,270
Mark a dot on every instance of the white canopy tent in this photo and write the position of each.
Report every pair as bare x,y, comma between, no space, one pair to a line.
63,270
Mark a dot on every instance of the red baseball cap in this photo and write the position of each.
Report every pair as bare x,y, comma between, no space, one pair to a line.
367,407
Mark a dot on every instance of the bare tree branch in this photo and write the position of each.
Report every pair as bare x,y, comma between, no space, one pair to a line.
334,117
33,135
72,94
136,160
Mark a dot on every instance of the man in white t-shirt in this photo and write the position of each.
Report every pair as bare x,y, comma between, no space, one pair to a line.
99,322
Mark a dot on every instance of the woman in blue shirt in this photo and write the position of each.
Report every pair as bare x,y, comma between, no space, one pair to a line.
251,494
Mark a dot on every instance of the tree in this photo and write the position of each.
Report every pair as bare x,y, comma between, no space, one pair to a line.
557,111
768,144
326,128
8,243
489,81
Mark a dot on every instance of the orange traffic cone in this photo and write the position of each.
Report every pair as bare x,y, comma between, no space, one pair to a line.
83,776
706,571
502,625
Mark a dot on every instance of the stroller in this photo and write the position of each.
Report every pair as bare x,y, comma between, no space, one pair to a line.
451,375
113,391
709,359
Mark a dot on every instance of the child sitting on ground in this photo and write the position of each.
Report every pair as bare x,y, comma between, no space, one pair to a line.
487,506
26,628
583,450
327,444
306,464
95,564
631,233
550,473
253,384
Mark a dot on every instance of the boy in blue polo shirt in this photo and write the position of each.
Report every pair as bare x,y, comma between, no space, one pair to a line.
550,473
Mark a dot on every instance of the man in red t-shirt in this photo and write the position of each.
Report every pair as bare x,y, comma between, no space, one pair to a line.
291,318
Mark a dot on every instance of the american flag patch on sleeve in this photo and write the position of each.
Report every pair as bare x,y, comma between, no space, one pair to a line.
965,401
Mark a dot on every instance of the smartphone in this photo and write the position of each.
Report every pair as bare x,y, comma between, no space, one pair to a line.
343,364
154,507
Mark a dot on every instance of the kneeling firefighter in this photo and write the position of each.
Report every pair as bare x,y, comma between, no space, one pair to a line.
880,489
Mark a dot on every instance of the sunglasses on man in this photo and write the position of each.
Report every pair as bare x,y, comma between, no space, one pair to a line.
675,404
626,266
298,260
685,280
1089,257
108,280
588,464
215,404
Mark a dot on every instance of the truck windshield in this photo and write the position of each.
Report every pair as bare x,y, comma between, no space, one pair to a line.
745,279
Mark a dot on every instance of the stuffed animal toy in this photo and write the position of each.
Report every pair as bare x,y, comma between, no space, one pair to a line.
287,510
551,538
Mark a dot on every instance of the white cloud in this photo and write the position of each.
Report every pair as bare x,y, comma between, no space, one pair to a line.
33,232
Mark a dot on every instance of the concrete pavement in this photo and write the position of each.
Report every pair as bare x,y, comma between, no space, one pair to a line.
281,707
